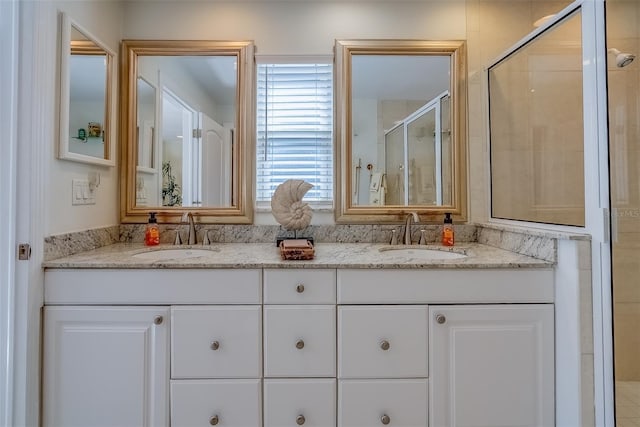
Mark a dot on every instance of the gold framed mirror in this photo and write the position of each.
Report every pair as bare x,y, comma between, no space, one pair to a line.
187,126
400,130
87,70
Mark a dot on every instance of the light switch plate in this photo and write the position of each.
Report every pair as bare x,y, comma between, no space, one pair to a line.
81,194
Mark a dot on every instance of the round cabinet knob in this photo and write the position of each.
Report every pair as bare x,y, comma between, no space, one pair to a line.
384,344
300,288
214,420
440,318
385,419
300,419
299,344
215,345
158,320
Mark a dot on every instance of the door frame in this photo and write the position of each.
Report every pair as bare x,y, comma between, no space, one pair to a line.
34,119
8,178
597,159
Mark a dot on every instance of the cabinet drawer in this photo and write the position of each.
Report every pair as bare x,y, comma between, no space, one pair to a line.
228,403
311,403
369,403
87,286
299,341
216,342
382,341
299,286
445,286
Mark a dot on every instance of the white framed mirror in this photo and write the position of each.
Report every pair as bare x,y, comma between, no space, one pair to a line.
400,130
87,93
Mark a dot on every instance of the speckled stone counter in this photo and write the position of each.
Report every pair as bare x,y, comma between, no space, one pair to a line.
328,255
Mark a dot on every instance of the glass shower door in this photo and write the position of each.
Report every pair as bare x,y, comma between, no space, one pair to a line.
424,173
394,166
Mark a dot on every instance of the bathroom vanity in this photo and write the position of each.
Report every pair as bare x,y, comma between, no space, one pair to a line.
349,339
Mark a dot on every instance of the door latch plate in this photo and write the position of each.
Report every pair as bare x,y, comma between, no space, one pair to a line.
24,251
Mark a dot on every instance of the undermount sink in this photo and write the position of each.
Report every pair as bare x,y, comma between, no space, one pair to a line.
173,254
419,252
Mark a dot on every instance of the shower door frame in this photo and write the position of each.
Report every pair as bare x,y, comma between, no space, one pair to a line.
434,104
596,181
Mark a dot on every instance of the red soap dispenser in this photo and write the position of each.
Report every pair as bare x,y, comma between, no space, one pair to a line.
447,230
152,233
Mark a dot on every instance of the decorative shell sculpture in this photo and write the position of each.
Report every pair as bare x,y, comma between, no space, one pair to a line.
287,206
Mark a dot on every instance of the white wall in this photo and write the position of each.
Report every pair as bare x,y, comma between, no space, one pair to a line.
103,20
294,28
277,28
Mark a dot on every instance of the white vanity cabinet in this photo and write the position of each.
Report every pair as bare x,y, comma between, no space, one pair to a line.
474,347
216,365
110,365
105,366
382,365
492,365
299,347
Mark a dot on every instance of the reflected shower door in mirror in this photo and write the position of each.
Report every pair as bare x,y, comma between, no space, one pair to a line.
417,156
188,143
86,98
402,114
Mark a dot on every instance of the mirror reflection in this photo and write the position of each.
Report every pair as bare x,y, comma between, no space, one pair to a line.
146,125
185,135
197,97
85,96
401,145
400,130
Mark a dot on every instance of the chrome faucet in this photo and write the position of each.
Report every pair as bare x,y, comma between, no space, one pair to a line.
407,227
188,216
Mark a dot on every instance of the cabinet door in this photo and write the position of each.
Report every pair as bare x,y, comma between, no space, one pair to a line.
216,342
382,341
225,403
491,365
299,341
300,402
371,403
105,366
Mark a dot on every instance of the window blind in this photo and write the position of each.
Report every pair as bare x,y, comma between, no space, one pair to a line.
295,128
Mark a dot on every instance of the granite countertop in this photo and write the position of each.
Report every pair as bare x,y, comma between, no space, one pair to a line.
327,255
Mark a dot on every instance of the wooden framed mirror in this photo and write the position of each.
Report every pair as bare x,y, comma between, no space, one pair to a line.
400,130
187,123
87,71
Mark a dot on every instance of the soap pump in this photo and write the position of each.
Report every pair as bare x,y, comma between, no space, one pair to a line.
447,230
152,233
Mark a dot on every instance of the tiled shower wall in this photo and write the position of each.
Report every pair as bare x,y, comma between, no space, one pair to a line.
623,33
